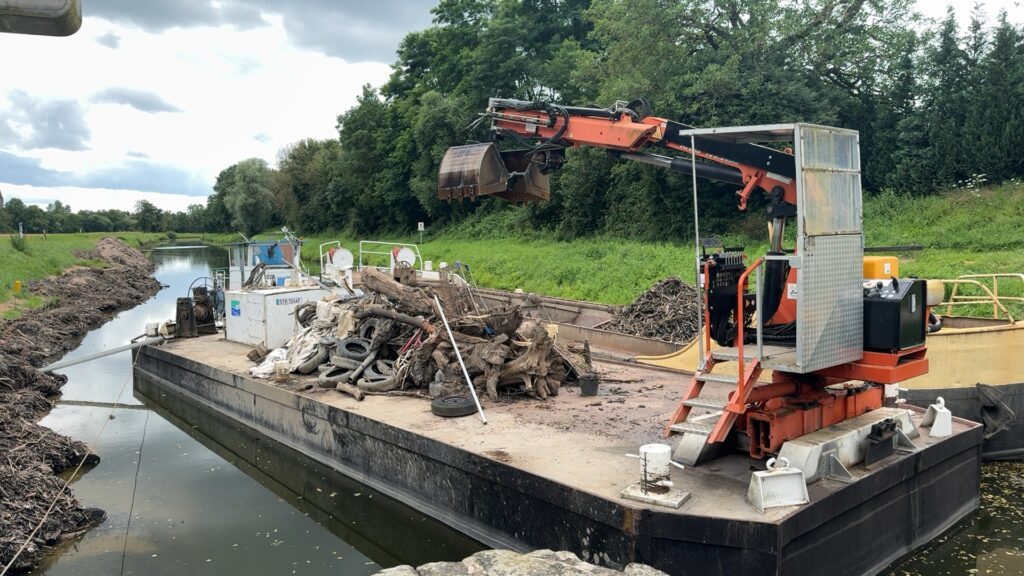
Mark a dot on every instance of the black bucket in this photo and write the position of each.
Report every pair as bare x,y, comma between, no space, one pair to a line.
588,384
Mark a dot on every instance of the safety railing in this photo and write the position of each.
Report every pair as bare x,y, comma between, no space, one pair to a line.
740,297
326,254
367,249
989,296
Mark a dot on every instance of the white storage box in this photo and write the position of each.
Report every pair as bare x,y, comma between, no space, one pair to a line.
265,316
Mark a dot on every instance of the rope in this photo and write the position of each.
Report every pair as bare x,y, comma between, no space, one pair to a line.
135,487
74,474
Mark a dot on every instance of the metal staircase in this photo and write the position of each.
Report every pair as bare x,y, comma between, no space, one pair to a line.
717,424
715,427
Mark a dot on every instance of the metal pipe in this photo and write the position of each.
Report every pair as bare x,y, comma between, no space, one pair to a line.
778,229
696,254
455,345
760,323
726,174
89,357
769,391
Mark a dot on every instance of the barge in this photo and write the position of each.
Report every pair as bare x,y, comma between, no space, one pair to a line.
798,359
550,474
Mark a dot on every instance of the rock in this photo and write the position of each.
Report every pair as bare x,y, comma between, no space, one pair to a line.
536,563
641,570
404,570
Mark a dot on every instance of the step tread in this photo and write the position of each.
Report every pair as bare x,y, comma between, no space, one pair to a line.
721,378
702,425
709,403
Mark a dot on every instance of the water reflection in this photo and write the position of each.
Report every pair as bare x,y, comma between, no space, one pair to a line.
990,541
104,379
236,504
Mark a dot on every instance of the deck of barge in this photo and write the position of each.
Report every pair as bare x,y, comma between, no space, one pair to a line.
548,473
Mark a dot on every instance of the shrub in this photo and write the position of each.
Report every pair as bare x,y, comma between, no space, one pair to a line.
19,244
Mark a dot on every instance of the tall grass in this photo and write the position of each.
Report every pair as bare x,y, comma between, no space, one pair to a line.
19,243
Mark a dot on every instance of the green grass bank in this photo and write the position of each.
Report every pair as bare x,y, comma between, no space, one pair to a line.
42,257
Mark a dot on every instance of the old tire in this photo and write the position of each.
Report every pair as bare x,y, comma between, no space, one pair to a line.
379,370
453,406
318,358
385,385
354,348
367,329
344,362
331,377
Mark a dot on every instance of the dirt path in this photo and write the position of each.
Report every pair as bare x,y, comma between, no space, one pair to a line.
31,455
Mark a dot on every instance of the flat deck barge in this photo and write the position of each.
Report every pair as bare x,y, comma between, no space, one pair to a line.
547,474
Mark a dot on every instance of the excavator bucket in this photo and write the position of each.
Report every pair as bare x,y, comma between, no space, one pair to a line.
480,170
528,184
471,171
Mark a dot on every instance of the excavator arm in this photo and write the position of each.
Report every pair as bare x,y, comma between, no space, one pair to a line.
547,129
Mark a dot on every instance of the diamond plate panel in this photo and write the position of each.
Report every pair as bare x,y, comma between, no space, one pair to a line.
830,302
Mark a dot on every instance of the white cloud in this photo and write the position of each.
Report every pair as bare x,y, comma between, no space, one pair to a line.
937,9
229,84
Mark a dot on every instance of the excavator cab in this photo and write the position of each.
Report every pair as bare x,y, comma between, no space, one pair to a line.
481,170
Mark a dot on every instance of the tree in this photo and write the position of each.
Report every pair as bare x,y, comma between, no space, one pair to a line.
249,197
148,218
996,129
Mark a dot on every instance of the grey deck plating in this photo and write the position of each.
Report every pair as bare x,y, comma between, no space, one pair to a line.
548,474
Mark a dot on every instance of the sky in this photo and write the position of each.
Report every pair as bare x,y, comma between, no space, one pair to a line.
151,99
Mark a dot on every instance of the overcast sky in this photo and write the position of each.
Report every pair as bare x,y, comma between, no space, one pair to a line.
152,98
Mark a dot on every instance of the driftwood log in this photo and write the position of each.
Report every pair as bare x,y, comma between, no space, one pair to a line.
349,389
396,316
413,299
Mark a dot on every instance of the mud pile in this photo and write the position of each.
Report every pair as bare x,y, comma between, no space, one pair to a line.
31,455
666,311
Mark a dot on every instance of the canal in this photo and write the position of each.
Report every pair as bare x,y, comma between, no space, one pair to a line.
194,493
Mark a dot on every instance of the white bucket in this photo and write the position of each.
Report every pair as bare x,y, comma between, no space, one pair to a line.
655,462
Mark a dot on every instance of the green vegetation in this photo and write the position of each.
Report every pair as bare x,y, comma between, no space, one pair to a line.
45,257
962,232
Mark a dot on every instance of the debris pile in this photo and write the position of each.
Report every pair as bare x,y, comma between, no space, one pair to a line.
394,342
666,311
78,301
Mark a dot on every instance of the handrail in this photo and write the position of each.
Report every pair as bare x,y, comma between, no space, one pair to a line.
414,247
323,260
992,294
706,335
740,292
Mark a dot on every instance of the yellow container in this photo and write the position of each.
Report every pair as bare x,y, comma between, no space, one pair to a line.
879,267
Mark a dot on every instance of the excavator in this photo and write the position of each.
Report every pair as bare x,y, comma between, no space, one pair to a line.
836,330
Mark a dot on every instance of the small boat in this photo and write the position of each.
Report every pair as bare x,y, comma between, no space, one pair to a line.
977,363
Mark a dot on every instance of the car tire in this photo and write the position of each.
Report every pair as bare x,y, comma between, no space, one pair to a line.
453,406
318,358
354,348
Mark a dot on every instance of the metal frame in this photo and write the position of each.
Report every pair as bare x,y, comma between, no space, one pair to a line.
390,245
805,357
991,294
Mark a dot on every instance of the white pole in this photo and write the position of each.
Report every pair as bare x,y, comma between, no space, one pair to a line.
696,257
458,355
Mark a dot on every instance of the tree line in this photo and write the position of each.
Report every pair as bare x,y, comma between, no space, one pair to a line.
58,217
935,106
